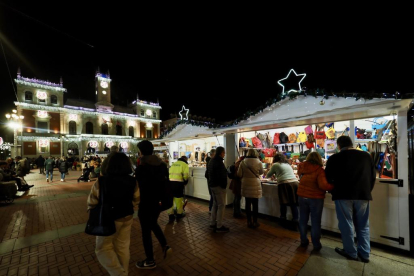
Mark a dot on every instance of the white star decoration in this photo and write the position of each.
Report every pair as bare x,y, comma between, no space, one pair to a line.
291,90
184,112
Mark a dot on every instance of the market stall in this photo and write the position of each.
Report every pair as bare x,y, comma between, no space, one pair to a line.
370,124
195,142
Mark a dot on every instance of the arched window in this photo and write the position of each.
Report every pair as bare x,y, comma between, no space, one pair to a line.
131,131
89,128
154,114
142,112
73,149
53,99
28,96
118,130
104,128
72,127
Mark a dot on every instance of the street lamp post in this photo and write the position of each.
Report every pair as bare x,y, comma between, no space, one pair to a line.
15,123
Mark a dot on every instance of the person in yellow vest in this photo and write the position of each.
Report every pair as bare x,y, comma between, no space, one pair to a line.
179,173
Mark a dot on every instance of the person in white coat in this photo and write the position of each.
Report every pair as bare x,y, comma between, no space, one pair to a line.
251,188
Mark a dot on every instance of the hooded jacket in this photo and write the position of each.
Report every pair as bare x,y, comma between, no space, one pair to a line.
179,171
313,183
151,174
249,171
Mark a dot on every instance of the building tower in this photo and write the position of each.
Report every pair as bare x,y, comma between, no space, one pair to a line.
103,92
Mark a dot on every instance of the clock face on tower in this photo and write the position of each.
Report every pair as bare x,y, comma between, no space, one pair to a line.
104,84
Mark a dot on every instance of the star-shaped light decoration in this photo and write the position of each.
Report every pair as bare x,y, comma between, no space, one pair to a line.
184,112
291,90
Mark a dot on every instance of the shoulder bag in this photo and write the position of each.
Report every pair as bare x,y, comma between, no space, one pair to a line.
100,222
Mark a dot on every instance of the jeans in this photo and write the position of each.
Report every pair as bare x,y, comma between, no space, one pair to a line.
293,208
314,207
113,251
352,213
210,204
236,205
148,218
51,174
219,201
249,203
62,175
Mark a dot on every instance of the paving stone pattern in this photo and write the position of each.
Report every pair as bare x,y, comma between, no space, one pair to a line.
268,250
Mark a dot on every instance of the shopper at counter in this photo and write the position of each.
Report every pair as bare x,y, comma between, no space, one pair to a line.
217,181
312,189
352,173
287,186
235,186
250,171
212,154
179,174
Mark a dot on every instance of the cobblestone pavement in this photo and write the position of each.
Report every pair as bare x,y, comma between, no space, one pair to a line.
42,234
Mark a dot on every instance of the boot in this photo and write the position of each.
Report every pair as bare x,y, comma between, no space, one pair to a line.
171,218
249,223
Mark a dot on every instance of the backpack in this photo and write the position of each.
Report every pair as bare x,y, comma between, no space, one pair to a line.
231,171
26,166
257,143
302,137
283,138
292,138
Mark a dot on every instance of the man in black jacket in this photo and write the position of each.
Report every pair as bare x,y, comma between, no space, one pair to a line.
352,173
217,181
151,175
40,162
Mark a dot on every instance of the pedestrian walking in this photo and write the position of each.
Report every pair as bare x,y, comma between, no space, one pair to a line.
179,173
40,162
63,168
49,166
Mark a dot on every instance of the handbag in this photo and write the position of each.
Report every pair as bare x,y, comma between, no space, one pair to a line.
302,137
308,130
292,138
100,222
302,156
283,138
321,152
276,139
257,143
249,142
330,133
242,142
320,132
269,152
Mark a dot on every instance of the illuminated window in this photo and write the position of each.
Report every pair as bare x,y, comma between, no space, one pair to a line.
154,114
142,112
104,128
131,131
72,127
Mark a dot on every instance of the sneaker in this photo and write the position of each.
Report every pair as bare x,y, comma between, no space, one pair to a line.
29,186
146,264
343,253
317,248
222,229
167,251
47,179
171,218
61,180
363,259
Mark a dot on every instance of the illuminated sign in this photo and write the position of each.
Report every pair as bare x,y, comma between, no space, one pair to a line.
42,114
149,112
41,95
123,145
109,144
43,143
73,117
148,125
1,141
93,144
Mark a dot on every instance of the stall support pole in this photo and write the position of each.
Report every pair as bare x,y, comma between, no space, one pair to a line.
352,131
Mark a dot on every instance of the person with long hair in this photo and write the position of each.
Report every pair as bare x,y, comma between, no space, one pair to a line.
249,171
287,185
123,193
312,189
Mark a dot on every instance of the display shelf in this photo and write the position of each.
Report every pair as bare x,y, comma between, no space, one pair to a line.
365,140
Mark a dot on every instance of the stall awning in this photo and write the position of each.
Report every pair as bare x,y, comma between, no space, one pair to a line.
309,110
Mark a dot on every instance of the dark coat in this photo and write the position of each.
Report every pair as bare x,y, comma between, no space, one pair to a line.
217,173
352,173
63,166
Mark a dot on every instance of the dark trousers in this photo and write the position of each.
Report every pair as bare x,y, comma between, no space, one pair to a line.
149,223
236,205
249,203
42,169
293,208
210,204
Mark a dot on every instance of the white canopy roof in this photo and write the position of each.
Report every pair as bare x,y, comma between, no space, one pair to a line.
309,110
187,131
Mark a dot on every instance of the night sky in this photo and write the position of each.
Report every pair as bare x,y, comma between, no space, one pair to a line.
218,63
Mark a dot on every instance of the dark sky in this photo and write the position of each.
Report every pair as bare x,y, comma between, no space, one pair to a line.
218,63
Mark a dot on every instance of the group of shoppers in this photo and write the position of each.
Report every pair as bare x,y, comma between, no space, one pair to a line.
349,175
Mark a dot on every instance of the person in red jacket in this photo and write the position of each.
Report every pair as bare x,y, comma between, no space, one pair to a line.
311,191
